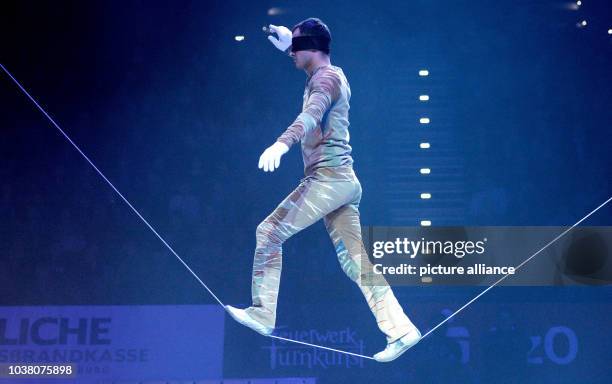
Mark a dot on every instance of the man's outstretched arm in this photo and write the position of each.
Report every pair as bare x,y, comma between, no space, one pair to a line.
324,91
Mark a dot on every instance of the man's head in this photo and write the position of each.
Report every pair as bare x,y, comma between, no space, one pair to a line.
311,40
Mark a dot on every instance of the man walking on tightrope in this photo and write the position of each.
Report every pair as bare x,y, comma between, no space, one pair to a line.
330,191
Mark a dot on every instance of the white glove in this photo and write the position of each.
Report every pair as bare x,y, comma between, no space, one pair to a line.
284,37
270,159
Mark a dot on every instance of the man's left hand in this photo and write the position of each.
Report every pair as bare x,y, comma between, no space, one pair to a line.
270,158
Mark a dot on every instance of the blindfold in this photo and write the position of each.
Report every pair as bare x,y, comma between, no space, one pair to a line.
304,43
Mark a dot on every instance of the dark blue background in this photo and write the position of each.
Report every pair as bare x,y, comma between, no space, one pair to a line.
175,112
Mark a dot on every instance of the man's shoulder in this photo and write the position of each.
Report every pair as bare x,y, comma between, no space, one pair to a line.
330,71
330,76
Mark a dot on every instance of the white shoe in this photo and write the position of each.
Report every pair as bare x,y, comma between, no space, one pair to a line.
243,318
399,346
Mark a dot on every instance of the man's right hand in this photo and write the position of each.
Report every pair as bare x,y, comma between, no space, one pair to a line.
284,37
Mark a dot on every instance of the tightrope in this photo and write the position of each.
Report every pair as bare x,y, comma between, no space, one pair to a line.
516,268
146,222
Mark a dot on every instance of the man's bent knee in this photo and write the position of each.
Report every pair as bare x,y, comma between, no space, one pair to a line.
268,232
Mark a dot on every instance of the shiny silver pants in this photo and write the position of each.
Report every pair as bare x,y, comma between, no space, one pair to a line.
332,194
